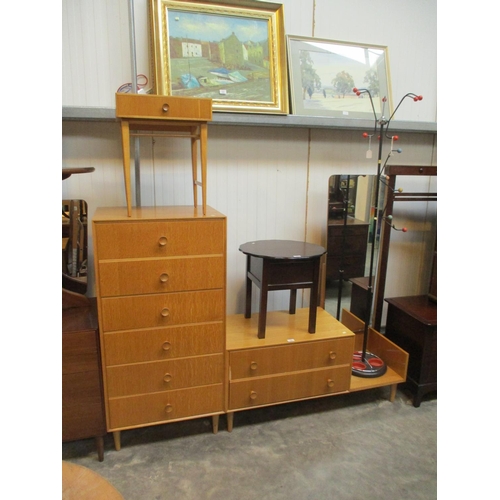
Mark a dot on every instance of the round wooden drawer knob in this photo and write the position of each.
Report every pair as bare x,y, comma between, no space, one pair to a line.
168,409
162,241
330,383
332,355
167,377
253,365
164,277
165,312
253,395
165,108
166,346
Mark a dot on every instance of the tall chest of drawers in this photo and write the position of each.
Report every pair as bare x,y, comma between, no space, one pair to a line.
161,288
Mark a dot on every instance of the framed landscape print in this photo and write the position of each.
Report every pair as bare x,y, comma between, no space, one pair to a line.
323,73
232,52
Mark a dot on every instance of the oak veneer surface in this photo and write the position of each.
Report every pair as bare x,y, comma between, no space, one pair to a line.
160,279
289,363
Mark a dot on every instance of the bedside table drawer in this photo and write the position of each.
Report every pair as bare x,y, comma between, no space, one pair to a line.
165,406
130,277
288,387
161,376
149,239
292,357
163,343
163,107
166,309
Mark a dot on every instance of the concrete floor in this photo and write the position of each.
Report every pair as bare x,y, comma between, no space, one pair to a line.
355,446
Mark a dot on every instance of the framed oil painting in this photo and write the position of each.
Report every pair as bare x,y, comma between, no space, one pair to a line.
323,73
230,51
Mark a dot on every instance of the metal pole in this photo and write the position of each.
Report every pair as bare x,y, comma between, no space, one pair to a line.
134,90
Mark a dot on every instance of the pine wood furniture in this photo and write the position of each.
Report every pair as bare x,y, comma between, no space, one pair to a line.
289,364
161,289
412,324
82,394
346,248
157,115
282,265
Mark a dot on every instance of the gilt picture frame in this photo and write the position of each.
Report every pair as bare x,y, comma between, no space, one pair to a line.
323,73
233,52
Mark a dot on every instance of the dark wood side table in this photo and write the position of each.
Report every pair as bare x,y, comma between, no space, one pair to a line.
282,265
412,325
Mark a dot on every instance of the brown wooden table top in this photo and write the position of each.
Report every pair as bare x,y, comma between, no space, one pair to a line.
418,306
282,249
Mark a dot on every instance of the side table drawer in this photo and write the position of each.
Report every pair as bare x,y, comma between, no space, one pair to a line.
163,343
288,387
164,406
293,357
159,239
129,277
163,107
150,311
160,376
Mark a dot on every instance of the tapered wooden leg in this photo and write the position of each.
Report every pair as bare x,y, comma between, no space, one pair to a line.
215,424
99,442
126,164
392,395
116,439
230,420
194,166
203,154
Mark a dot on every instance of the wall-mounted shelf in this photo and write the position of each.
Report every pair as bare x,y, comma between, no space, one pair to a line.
86,113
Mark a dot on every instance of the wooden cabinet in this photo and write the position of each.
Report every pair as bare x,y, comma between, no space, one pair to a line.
160,281
346,245
82,397
290,363
412,324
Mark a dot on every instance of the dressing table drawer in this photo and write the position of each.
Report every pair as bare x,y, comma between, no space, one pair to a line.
288,387
288,358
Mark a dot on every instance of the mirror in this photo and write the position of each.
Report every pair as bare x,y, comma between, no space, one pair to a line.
74,245
349,238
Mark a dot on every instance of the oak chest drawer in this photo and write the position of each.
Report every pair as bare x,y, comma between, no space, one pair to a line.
146,239
288,387
158,344
163,406
142,378
150,311
130,277
288,358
